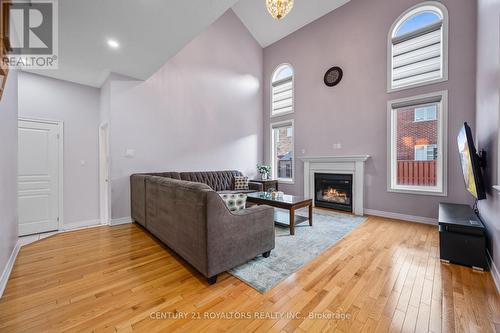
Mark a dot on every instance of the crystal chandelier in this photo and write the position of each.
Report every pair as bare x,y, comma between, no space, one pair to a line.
279,8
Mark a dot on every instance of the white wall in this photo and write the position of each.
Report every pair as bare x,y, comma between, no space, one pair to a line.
201,111
78,107
8,170
105,98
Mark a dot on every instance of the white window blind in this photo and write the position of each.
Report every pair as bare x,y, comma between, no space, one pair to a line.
417,57
282,96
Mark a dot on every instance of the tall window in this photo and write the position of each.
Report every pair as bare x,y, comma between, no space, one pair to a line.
282,151
282,90
417,144
418,47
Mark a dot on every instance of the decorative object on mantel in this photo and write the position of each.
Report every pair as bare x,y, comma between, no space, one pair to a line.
333,76
264,171
279,8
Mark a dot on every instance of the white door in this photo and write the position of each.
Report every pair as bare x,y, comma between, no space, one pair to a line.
39,169
104,173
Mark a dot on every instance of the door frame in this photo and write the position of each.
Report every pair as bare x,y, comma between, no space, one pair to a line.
104,167
60,175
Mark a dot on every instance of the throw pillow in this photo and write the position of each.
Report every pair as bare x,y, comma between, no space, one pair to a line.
234,202
240,183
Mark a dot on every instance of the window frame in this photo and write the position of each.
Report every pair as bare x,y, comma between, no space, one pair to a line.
274,169
280,114
420,7
441,188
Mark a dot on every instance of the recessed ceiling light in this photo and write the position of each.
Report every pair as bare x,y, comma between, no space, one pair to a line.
112,43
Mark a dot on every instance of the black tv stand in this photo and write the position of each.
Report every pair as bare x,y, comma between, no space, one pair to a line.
462,236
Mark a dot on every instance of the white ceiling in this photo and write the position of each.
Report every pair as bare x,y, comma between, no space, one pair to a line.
266,30
152,31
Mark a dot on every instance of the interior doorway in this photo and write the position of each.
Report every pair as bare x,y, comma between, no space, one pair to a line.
104,174
40,176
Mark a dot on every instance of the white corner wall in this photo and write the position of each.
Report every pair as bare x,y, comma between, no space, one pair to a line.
78,107
8,177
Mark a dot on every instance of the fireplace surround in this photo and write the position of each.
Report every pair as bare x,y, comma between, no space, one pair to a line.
353,165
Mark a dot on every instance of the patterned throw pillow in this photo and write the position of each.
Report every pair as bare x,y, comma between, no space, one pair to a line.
240,183
234,202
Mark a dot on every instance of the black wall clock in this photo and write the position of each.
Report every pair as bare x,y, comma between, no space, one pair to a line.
333,76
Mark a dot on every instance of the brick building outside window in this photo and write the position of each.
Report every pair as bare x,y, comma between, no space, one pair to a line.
417,145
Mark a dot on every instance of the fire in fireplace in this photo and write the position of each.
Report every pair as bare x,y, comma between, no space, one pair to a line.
333,195
333,191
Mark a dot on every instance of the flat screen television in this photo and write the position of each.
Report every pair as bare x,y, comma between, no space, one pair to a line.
470,160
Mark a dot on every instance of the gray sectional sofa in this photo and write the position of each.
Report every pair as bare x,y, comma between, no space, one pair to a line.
186,212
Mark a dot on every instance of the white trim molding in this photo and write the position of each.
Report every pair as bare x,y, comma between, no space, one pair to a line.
403,217
441,188
80,225
420,7
495,273
350,164
8,267
104,172
121,220
280,114
274,125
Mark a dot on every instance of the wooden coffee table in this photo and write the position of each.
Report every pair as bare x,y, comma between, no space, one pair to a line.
288,202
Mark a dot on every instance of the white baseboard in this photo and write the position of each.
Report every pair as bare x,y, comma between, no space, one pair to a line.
495,273
80,225
122,220
8,268
404,217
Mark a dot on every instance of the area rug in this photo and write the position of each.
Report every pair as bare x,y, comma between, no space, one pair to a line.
293,252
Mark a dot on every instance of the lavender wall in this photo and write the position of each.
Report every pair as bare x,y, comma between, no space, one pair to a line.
488,113
78,107
8,171
354,113
202,110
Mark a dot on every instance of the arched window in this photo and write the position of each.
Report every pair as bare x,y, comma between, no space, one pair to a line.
418,47
282,90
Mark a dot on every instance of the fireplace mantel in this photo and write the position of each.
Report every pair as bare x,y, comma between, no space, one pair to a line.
346,158
347,164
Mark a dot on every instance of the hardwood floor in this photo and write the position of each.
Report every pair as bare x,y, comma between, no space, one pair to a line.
384,276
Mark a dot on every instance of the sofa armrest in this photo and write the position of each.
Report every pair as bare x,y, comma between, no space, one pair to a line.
138,198
236,237
255,186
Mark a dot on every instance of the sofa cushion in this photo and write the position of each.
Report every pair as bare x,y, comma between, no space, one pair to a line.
240,183
234,202
217,180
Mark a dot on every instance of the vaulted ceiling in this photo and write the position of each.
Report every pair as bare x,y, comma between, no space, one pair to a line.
266,30
152,31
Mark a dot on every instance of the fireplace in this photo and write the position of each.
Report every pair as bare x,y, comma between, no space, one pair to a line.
333,191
